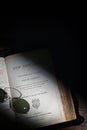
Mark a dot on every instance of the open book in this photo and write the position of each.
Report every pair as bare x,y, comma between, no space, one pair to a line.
31,76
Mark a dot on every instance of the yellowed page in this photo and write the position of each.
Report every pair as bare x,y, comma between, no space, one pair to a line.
32,74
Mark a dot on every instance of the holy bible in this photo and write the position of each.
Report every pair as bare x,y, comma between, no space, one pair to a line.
30,77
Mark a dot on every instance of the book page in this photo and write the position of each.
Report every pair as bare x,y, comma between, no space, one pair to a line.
4,84
3,74
32,74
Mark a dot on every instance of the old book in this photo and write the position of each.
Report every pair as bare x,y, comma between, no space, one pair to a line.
31,76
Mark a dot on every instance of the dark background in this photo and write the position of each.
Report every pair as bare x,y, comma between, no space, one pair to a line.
65,35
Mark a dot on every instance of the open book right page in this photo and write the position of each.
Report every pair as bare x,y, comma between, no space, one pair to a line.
33,75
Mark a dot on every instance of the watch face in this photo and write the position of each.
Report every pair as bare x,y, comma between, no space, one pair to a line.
20,105
3,95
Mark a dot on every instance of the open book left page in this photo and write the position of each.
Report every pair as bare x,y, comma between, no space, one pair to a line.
4,86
